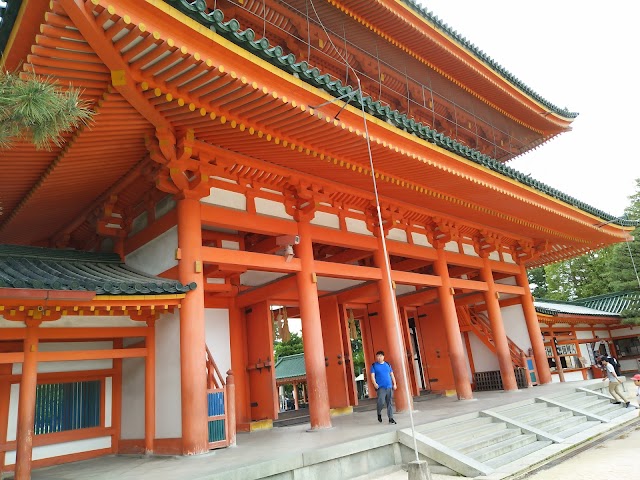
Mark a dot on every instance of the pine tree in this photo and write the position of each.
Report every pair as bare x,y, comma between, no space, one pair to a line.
38,110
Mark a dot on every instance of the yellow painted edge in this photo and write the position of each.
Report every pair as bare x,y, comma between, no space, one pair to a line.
169,10
261,425
450,393
12,37
336,412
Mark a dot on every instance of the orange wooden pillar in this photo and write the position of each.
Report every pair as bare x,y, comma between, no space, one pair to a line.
452,329
333,351
391,328
27,404
312,331
238,345
150,388
192,333
533,327
491,297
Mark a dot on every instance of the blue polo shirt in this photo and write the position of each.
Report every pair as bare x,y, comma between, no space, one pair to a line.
382,372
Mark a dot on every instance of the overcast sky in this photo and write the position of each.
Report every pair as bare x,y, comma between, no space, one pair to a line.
582,55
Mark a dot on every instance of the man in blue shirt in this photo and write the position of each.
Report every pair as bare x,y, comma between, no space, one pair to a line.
385,383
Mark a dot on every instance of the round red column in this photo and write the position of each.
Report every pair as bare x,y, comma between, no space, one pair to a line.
27,405
319,410
497,328
533,327
452,329
389,311
193,379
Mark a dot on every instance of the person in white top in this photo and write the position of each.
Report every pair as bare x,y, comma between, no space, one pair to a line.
636,381
615,384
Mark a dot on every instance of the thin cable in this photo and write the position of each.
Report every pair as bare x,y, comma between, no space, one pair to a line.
633,262
389,281
388,269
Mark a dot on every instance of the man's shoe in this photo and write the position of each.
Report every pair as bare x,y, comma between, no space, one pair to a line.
627,405
616,403
392,421
380,418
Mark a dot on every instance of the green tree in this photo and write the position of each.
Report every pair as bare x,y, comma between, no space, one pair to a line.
292,346
538,282
579,277
38,110
621,267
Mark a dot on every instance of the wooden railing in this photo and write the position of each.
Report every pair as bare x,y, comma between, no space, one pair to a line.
221,418
481,326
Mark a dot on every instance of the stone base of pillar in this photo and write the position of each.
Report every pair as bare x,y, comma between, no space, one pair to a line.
419,470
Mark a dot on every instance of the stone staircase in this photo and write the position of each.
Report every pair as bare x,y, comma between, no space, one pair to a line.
503,439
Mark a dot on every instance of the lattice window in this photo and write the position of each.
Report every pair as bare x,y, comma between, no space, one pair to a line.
67,406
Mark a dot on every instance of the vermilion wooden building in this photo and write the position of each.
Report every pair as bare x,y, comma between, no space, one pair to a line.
228,167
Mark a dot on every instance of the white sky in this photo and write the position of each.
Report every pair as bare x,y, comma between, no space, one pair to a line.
582,55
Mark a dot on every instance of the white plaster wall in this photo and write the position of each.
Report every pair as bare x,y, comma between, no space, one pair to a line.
420,239
14,397
271,208
582,334
602,333
483,359
397,235
44,367
469,250
515,326
168,387
4,323
404,289
226,198
132,398
623,332
91,321
452,246
507,281
507,258
66,448
156,256
584,353
494,256
216,322
357,226
325,219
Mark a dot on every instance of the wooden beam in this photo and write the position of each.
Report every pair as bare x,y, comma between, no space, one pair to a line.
250,260
410,278
348,256
91,354
355,272
281,286
214,216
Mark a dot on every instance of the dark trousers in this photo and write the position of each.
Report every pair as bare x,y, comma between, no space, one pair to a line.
384,396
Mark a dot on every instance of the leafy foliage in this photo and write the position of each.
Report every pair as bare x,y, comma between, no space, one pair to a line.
37,109
292,346
609,270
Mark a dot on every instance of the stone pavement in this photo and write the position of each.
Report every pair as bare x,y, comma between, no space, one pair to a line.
285,442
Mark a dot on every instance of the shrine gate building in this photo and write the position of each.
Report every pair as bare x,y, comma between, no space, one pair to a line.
226,174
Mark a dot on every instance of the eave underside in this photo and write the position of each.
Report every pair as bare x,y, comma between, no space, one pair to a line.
252,124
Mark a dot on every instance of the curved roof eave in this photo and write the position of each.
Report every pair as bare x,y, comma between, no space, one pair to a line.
246,39
487,60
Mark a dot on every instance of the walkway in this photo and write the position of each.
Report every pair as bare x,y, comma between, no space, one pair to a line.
286,442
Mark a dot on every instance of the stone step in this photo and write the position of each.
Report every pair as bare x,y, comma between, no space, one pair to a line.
572,422
604,408
470,444
569,398
523,410
588,403
537,415
485,454
432,429
518,453
621,410
577,429
476,432
550,422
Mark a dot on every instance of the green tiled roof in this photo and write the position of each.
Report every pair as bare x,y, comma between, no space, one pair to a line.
496,67
555,307
246,39
290,367
612,302
104,273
